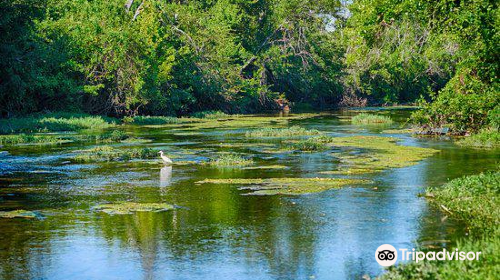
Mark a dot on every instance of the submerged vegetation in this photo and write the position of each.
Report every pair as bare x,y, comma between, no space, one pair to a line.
132,207
108,153
230,160
473,199
286,186
293,131
364,119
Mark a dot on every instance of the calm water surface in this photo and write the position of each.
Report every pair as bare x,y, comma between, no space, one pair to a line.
218,232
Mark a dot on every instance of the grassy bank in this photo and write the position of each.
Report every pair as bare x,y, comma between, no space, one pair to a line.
54,122
230,161
474,199
488,138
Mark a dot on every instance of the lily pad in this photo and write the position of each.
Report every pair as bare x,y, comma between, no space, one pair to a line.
286,186
131,207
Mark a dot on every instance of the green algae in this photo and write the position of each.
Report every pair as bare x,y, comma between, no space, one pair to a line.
125,208
286,186
293,131
379,153
20,214
266,167
230,160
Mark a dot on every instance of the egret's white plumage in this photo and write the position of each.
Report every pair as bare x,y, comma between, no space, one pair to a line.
165,159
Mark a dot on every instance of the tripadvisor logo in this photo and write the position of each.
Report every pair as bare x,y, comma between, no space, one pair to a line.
387,255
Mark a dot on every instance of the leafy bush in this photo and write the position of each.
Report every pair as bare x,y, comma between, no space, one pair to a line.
465,104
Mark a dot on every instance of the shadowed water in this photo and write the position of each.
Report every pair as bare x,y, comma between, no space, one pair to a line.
218,232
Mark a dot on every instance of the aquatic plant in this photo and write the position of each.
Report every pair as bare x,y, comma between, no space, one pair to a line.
265,167
28,138
230,160
124,208
108,153
293,131
378,153
289,186
20,214
54,122
150,120
308,145
487,138
364,118
210,115
473,199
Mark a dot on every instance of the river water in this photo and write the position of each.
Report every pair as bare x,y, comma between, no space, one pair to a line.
218,232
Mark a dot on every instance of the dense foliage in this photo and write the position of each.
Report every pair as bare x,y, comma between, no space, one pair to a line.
155,57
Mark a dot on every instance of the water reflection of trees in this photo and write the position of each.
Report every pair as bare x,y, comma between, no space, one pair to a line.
218,221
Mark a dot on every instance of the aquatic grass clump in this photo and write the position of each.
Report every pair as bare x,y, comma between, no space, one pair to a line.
364,119
308,145
286,186
151,120
230,160
484,139
293,131
28,138
125,208
54,122
378,153
211,115
108,153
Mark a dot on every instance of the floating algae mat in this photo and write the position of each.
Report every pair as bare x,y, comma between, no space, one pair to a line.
238,121
131,207
290,186
20,214
378,153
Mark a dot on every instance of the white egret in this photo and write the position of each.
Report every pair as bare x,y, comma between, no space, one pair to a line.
165,159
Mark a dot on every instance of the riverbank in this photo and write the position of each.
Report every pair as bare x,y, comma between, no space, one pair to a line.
475,200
